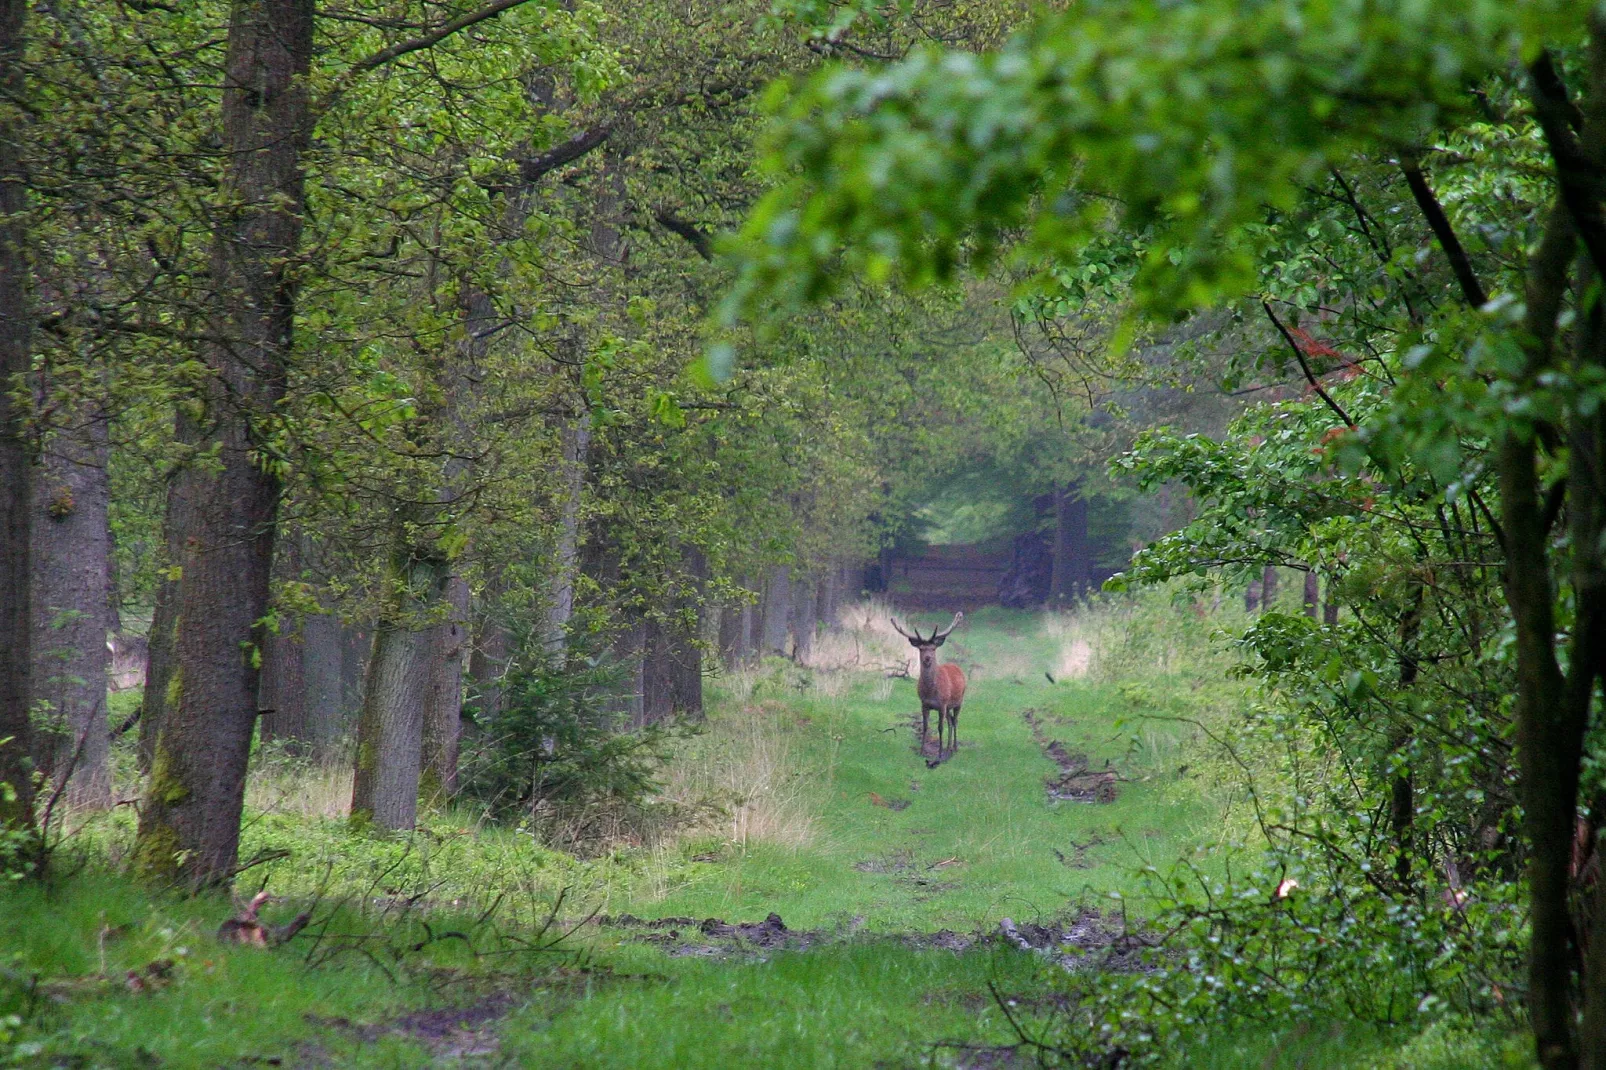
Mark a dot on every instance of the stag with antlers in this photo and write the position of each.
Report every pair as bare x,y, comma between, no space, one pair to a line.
941,687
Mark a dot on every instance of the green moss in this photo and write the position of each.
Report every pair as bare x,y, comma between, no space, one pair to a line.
165,787
156,853
175,689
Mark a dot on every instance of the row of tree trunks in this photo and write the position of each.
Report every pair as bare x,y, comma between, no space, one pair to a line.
72,608
786,614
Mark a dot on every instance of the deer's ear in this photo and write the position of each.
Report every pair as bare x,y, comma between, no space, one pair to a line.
941,641
914,643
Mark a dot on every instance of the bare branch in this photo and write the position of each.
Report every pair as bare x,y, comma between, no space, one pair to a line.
1310,377
1460,263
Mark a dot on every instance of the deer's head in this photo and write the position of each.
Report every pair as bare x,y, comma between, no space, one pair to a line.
927,645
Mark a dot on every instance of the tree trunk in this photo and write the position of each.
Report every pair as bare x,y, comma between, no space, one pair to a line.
356,651
283,693
730,635
189,827
576,445
803,618
1071,571
1330,605
777,610
1313,594
71,614
487,663
1268,588
162,642
390,730
321,658
1546,754
657,675
282,690
443,709
1252,596
16,475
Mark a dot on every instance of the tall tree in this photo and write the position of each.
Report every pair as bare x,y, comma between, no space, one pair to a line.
189,825
16,479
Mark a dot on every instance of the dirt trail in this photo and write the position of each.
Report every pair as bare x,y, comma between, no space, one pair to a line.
1077,781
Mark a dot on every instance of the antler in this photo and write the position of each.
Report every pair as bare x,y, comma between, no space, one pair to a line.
951,626
915,638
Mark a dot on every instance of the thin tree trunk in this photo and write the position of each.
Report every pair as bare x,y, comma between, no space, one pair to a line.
1268,588
356,651
730,635
70,563
1547,762
1330,605
282,695
576,445
321,657
189,827
803,618
487,663
282,690
777,610
443,710
16,476
1313,594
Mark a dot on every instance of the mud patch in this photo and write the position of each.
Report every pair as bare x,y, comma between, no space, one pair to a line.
715,937
1088,941
1076,782
893,862
448,1032
893,804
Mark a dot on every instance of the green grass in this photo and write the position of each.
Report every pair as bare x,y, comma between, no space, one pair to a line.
985,813
793,762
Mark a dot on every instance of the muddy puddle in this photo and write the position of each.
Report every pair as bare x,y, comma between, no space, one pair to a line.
1077,780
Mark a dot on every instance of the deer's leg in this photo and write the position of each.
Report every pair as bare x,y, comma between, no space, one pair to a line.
925,726
953,728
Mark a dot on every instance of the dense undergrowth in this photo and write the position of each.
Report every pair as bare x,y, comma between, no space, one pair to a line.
476,937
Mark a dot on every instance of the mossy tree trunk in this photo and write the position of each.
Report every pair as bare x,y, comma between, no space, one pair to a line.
189,826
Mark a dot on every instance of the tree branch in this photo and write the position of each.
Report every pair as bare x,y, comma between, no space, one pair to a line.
415,44
694,235
1310,377
1460,263
533,168
1579,179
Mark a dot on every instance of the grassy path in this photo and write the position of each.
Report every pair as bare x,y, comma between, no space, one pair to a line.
835,824
900,847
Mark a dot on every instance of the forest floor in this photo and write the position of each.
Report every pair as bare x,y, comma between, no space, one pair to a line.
812,894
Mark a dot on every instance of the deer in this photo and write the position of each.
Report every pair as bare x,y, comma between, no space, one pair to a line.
941,687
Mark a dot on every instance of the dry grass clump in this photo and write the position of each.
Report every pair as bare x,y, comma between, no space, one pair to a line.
863,640
283,785
747,763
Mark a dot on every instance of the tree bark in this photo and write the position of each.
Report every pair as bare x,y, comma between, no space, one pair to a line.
282,695
282,690
390,730
16,475
487,663
1268,588
576,445
356,651
443,709
1313,594
1330,605
321,658
777,610
162,643
71,552
189,826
